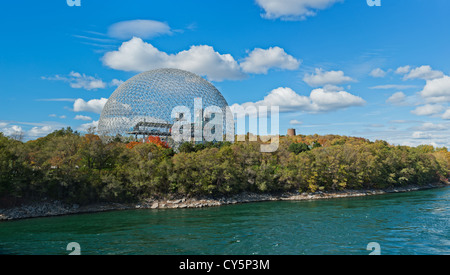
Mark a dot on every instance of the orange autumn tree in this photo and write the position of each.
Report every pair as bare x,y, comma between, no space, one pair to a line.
158,142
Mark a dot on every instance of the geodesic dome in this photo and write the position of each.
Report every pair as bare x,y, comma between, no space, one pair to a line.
149,98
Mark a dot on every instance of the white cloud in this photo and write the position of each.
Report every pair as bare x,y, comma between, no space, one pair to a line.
11,130
403,70
36,132
446,115
137,55
79,81
437,90
293,9
88,126
424,72
320,100
321,78
397,99
295,122
324,101
94,106
116,82
378,73
85,118
140,28
285,98
428,110
260,61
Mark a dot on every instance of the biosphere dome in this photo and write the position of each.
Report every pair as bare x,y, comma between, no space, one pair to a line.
143,105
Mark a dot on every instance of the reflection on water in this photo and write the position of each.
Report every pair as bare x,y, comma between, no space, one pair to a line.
409,223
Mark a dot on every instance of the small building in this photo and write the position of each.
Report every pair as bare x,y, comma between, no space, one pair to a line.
291,133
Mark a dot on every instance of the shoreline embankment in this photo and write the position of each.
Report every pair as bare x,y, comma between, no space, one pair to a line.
57,208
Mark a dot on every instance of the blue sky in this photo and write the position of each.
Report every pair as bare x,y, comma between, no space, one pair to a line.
333,66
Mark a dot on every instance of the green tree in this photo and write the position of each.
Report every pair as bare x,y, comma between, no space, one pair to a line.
298,148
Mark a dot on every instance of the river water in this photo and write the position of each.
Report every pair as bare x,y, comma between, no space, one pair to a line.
407,223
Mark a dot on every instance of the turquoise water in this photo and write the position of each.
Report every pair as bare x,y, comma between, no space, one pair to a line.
408,223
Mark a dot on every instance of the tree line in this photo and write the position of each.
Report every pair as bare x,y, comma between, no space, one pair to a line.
75,168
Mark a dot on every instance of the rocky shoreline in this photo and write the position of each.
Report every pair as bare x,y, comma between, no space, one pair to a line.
56,208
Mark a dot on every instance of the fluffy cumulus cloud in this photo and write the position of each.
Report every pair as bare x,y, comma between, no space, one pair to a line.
320,100
378,73
137,55
324,101
285,98
423,72
293,9
11,130
446,115
36,132
322,78
145,29
88,127
437,94
79,81
428,110
403,70
93,106
259,61
397,99
116,82
437,90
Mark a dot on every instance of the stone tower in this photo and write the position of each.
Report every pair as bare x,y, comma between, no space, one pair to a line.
291,133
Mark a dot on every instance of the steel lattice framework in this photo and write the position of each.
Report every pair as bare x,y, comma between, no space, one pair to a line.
144,103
